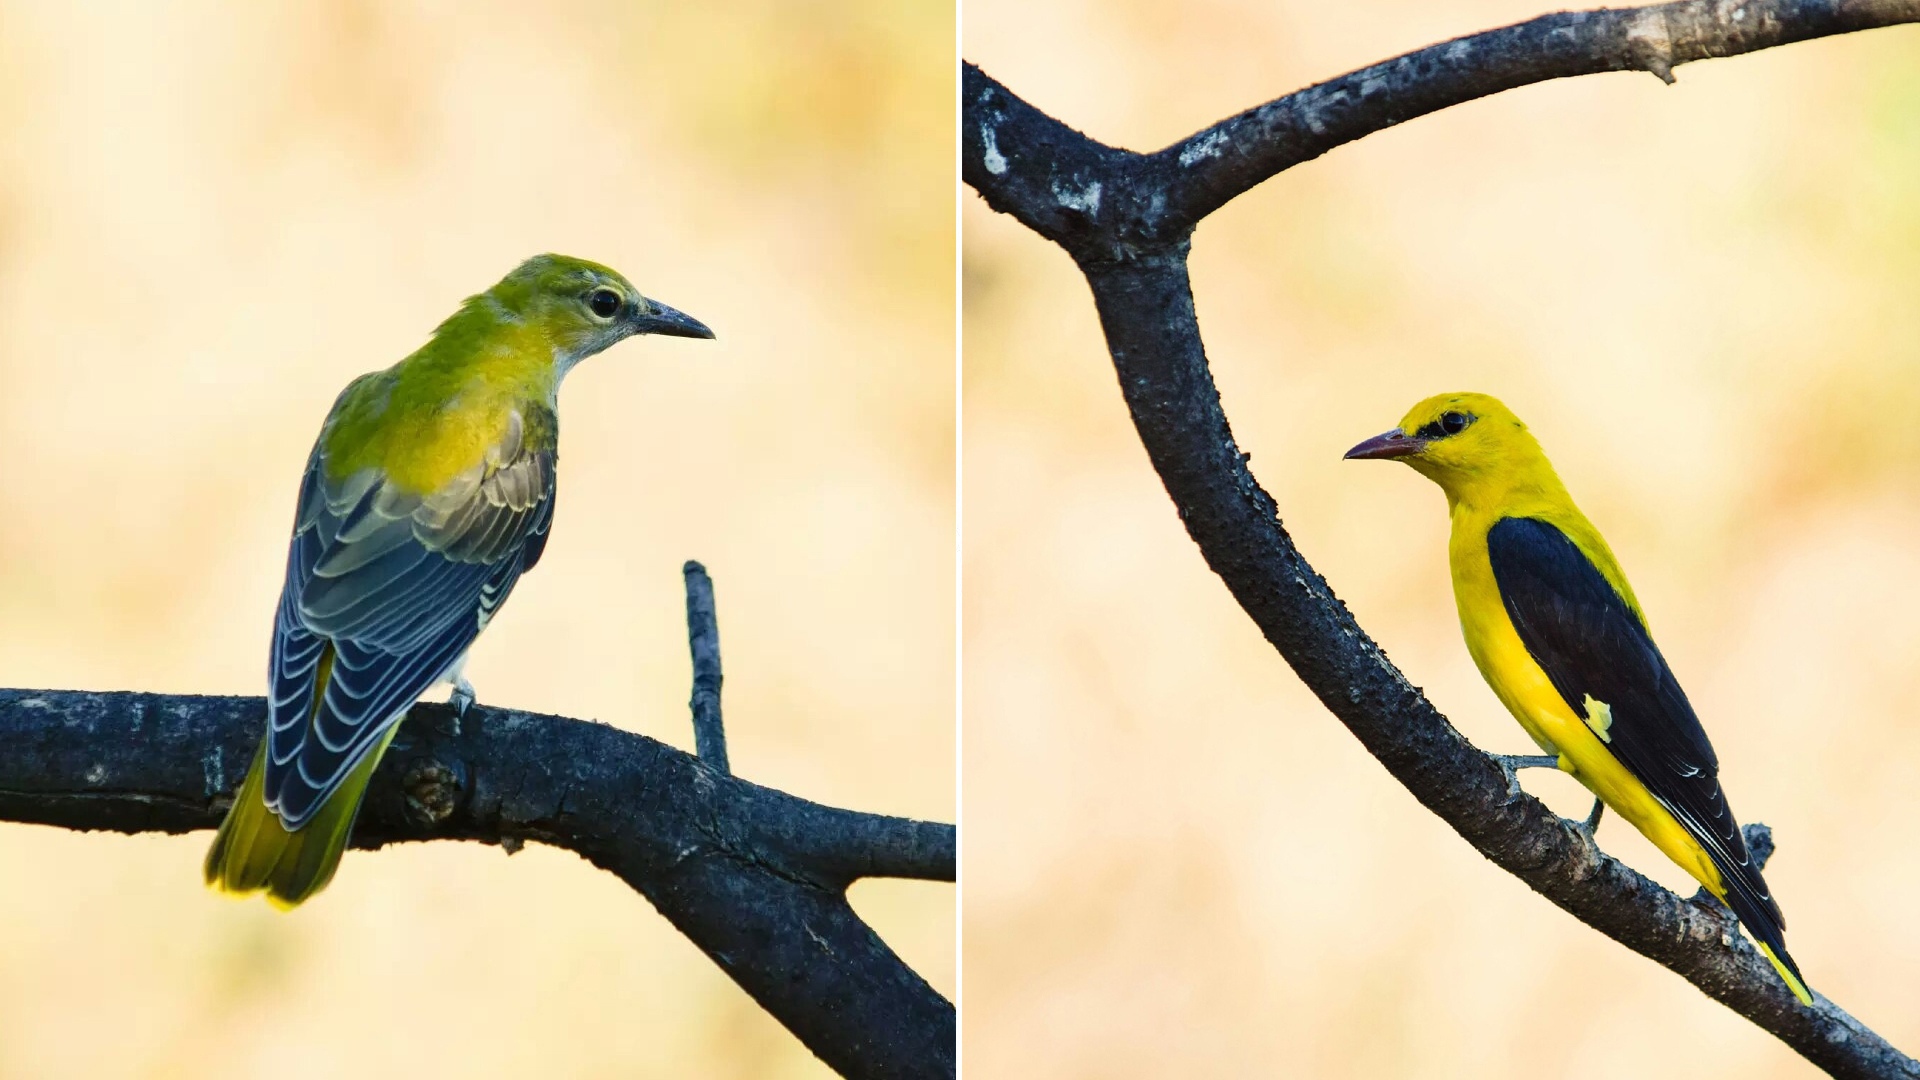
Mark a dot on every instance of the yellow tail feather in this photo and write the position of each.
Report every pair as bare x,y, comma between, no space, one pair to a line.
1786,974
254,852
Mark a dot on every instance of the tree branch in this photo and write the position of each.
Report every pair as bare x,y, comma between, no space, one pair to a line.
756,878
1126,218
703,640
1103,203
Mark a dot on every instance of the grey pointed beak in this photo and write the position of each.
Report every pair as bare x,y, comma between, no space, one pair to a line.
1391,444
660,319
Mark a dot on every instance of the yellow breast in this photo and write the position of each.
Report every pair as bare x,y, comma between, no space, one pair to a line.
1497,651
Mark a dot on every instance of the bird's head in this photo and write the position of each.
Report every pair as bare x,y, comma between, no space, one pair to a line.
1457,441
582,307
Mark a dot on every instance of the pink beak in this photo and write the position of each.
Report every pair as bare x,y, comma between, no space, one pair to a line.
1393,444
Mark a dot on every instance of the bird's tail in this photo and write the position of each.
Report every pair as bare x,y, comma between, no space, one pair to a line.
1745,892
1789,972
254,852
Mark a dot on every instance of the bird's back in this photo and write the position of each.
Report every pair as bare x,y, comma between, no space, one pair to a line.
430,418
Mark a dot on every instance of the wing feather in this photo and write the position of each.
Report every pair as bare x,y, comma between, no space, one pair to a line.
398,585
1592,644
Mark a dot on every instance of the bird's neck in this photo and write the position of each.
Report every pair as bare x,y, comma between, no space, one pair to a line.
484,350
1532,489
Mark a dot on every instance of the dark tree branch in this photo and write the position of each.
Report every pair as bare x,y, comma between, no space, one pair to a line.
1126,218
703,639
755,877
1103,203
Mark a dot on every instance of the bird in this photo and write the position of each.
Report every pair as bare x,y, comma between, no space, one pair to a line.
1556,631
429,491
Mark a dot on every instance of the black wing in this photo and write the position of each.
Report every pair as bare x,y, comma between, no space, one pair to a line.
1588,640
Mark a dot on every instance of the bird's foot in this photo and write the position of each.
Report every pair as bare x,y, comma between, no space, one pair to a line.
1516,762
461,699
1511,764
1592,823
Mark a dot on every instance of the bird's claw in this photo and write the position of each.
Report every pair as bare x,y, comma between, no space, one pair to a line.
461,699
1511,764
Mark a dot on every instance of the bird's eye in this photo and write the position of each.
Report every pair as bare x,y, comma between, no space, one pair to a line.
1454,423
603,303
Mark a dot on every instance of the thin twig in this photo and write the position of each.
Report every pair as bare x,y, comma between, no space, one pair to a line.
703,639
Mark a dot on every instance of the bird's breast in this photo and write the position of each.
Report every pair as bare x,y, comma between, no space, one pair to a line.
1510,670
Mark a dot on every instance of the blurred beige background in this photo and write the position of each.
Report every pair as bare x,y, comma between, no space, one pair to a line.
1702,297
211,217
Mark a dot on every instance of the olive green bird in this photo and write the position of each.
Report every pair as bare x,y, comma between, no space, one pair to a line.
428,493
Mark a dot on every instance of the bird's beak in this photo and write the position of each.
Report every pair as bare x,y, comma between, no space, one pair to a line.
658,318
1392,444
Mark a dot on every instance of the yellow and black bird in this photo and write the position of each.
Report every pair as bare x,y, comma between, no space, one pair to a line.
1554,627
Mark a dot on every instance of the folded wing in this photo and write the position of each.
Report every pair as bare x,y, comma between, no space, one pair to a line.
384,591
1593,645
